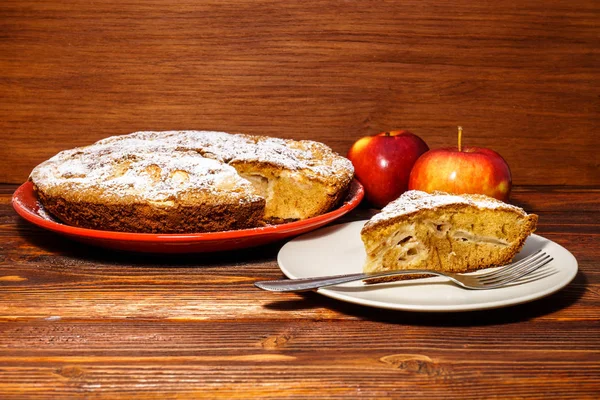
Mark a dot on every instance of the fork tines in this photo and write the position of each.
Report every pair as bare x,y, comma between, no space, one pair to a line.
516,270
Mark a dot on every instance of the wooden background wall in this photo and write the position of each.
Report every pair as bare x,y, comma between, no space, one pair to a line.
520,76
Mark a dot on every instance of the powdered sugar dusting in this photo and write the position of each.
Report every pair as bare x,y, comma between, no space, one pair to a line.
414,200
152,170
228,148
159,166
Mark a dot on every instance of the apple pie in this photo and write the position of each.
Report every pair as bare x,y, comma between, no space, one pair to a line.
445,232
191,181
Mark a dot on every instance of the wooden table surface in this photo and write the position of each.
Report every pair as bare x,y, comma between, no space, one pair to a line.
77,321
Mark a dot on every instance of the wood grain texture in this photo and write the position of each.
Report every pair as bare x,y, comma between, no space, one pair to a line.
521,77
80,322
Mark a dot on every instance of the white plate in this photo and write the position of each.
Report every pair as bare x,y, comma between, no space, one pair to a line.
338,249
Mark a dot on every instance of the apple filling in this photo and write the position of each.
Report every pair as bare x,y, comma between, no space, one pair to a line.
464,236
401,247
260,185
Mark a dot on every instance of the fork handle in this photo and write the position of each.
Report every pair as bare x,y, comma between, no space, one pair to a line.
306,284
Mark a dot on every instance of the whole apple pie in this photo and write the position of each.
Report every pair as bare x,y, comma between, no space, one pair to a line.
191,181
445,232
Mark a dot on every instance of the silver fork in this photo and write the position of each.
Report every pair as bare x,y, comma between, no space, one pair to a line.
488,280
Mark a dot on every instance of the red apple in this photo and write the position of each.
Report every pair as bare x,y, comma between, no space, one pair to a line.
382,163
462,170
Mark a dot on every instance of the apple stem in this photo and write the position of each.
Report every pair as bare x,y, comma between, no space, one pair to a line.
460,138
387,133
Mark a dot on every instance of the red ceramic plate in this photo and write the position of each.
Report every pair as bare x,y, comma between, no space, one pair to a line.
25,202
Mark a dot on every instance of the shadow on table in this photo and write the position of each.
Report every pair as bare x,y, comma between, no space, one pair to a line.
65,250
507,315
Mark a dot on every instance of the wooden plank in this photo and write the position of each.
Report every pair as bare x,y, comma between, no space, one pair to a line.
300,380
298,359
56,337
520,78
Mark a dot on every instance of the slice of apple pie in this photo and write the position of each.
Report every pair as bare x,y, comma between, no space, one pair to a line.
445,232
